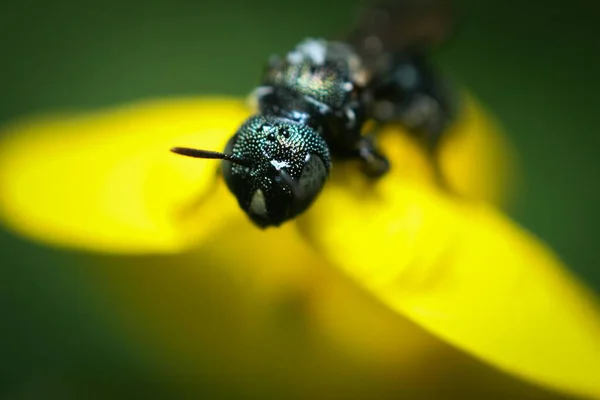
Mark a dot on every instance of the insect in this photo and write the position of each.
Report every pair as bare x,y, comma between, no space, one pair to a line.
314,103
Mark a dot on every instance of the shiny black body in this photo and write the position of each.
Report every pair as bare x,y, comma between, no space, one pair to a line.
314,103
327,86
317,84
410,92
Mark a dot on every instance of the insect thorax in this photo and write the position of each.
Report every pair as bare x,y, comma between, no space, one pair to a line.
319,83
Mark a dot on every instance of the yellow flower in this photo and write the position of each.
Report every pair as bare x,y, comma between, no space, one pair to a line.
446,296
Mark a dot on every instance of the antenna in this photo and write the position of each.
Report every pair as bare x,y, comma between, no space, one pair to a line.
197,153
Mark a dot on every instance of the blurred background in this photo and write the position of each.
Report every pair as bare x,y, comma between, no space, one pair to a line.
534,67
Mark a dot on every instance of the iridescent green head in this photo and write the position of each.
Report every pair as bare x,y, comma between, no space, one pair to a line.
275,167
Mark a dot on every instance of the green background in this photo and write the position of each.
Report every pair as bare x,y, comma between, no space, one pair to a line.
536,68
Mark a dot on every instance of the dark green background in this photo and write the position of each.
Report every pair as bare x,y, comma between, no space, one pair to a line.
536,68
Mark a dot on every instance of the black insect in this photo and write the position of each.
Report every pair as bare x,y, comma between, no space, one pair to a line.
314,103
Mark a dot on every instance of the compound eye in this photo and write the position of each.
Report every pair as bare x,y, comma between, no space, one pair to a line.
313,177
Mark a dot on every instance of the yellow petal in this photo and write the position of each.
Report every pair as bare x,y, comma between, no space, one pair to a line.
261,314
189,313
106,181
464,272
477,160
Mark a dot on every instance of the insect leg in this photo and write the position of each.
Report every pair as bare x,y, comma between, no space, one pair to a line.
374,164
